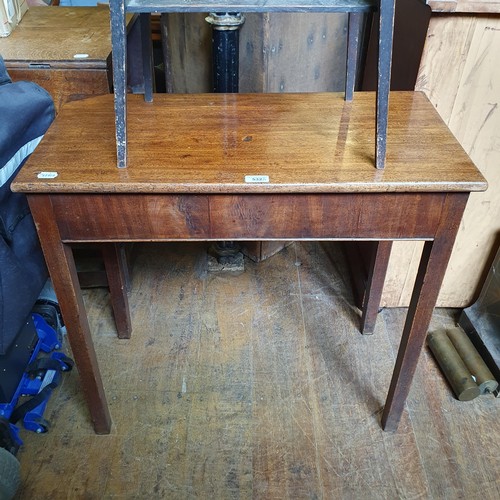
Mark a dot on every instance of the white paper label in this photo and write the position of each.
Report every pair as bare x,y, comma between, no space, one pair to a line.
257,178
47,175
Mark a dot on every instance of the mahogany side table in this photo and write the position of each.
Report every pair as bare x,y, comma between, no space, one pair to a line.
258,167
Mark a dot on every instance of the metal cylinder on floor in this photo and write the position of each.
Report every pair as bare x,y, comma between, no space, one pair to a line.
472,360
457,374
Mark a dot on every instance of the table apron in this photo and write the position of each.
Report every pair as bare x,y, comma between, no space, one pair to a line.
146,217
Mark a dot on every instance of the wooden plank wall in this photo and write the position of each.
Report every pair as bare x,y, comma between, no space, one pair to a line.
293,53
460,74
281,52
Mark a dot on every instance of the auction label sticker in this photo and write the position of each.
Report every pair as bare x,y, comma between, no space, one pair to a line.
47,175
256,178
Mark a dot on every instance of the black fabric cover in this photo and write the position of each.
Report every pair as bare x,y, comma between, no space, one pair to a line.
26,111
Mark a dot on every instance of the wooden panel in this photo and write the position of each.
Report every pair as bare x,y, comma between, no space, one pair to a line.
165,217
442,67
187,47
262,250
171,217
64,50
470,6
252,6
66,84
327,216
410,29
460,75
293,53
210,143
278,52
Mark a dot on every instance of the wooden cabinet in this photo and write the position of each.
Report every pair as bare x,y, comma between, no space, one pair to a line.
65,50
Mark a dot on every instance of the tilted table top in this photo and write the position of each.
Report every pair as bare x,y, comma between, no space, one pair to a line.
218,143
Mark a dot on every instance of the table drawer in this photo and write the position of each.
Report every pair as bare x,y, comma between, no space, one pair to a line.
144,217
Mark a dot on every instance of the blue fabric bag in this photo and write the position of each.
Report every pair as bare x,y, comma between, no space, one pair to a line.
26,111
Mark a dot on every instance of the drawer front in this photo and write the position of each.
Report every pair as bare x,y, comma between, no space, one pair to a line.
143,217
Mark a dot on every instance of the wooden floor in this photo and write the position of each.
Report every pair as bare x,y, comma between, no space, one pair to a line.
257,385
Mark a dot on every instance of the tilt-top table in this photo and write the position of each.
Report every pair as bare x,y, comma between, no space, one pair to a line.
247,167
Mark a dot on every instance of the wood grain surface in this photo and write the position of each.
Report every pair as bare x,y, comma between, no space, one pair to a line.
251,6
218,210
257,386
60,258
123,217
286,52
210,143
460,76
65,50
279,52
465,6
68,84
55,35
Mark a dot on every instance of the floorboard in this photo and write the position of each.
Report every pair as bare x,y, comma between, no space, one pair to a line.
257,385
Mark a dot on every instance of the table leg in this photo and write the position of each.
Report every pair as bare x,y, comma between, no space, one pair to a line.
435,257
118,44
62,269
386,25
354,22
374,286
147,55
116,271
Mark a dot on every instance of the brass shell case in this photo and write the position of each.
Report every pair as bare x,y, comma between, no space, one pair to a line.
472,360
453,367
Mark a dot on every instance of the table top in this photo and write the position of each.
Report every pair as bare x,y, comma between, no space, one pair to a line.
251,5
57,34
249,143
